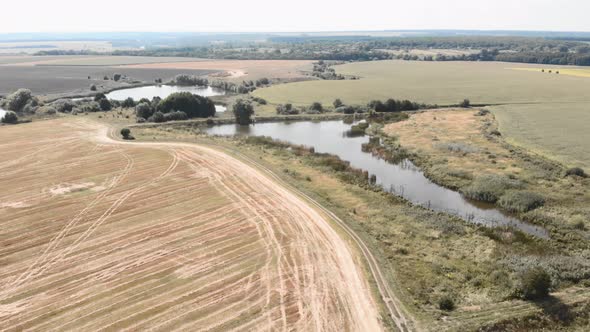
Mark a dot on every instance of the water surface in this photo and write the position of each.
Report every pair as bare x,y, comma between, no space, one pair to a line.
162,91
403,179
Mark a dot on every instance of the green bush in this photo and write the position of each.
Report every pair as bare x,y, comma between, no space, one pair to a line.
89,107
105,104
316,107
175,116
125,132
489,188
521,201
535,284
10,117
157,117
144,110
446,303
63,105
576,171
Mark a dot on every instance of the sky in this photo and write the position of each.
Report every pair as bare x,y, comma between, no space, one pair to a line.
291,15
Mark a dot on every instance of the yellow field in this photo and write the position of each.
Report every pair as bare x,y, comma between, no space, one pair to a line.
562,71
104,235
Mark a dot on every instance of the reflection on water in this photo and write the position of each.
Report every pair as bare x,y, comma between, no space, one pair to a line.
403,179
162,91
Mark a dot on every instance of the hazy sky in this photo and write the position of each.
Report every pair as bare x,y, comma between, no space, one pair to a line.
290,15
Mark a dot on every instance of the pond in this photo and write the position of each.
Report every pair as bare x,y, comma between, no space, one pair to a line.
403,179
162,91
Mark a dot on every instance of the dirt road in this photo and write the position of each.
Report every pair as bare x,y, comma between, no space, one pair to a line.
103,235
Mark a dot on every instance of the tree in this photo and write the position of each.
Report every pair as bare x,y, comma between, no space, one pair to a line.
243,112
466,103
338,103
378,106
128,103
105,104
157,117
10,117
125,132
93,87
144,110
19,99
391,105
316,106
99,96
535,284
117,77
194,106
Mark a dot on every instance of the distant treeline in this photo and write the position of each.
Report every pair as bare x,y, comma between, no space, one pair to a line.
364,48
560,58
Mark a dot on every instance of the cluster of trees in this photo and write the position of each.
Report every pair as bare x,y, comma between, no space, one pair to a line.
21,101
393,105
232,87
177,106
324,71
103,102
557,58
286,109
243,111
189,80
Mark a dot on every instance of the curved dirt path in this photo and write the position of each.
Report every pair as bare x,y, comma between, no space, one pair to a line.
148,251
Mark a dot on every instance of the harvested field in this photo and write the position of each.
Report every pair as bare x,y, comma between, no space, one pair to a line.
31,47
90,60
162,236
238,70
51,80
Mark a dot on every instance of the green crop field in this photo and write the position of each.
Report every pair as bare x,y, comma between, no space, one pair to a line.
556,130
536,107
436,83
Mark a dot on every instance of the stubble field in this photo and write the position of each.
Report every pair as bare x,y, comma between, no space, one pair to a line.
102,235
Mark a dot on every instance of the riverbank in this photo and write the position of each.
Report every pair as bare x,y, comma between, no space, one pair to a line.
457,148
